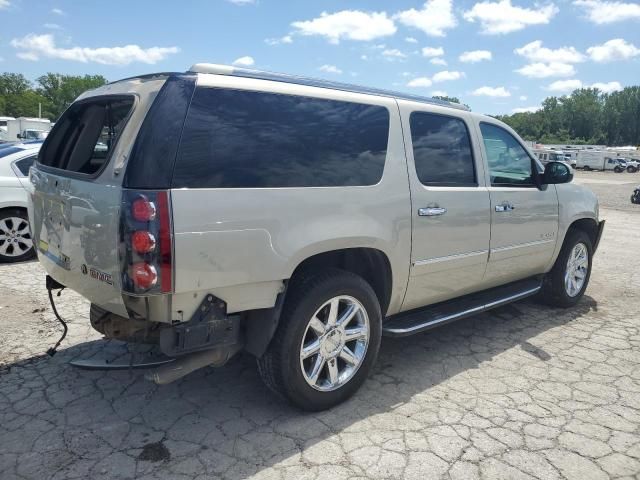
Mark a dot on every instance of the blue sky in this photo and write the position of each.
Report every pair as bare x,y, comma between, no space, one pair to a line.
495,55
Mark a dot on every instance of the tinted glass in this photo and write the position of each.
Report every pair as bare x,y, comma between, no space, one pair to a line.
25,164
441,150
509,163
244,139
85,135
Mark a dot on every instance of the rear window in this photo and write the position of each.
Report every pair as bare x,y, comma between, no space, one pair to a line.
85,135
246,139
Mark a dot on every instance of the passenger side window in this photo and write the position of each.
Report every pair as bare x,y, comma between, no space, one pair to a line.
250,139
441,150
509,163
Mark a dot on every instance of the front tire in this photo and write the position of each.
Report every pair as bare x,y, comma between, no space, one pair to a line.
631,169
618,169
326,342
16,244
567,281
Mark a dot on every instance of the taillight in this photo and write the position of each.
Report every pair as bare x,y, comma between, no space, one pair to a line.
146,242
144,275
142,241
142,209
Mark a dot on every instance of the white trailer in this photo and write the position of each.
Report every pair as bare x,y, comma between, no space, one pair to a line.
25,128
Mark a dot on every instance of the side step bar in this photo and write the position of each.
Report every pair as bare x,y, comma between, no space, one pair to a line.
416,321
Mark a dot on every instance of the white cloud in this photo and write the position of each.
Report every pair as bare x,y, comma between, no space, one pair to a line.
330,69
545,70
446,75
564,86
535,52
278,41
410,40
502,17
608,87
419,82
525,109
475,56
364,57
523,98
4,4
435,18
602,12
438,61
616,49
491,92
432,52
439,93
52,26
245,61
33,47
392,53
57,11
242,2
348,24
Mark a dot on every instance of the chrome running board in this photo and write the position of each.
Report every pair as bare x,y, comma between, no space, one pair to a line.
416,321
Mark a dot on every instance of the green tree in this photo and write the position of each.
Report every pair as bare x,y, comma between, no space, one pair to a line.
61,90
13,84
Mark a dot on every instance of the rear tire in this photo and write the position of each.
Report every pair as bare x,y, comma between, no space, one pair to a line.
344,350
632,169
618,169
567,281
16,244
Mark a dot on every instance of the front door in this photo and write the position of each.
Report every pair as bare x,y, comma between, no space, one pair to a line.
524,218
450,208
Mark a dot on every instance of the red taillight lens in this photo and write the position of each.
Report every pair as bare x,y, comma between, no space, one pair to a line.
144,276
142,209
143,241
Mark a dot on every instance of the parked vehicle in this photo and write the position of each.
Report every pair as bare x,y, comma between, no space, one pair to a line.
242,210
15,236
25,129
635,196
632,165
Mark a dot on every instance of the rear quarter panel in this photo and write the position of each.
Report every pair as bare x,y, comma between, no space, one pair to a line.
242,243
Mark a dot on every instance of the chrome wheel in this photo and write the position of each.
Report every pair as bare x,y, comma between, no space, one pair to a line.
334,343
15,237
577,269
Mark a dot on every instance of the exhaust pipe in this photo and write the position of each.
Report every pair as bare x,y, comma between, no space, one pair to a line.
185,365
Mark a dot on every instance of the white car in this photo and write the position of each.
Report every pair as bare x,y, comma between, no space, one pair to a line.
15,235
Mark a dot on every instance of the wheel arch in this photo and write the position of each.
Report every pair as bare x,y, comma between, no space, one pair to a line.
371,264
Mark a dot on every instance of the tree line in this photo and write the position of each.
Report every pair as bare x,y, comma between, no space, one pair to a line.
587,116
52,92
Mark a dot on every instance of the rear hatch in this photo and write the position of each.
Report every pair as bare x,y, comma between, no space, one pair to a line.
76,188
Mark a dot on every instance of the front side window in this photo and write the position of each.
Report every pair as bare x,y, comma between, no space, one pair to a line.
441,150
249,139
509,162
85,135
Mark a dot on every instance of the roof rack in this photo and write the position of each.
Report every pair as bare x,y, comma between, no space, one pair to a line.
314,82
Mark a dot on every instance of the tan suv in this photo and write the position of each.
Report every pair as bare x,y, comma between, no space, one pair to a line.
226,209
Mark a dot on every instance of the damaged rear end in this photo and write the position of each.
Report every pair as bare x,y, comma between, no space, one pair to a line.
100,208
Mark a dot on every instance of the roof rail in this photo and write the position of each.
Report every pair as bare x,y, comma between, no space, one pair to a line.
314,82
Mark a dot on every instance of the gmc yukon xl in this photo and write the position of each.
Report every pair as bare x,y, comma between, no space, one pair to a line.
225,209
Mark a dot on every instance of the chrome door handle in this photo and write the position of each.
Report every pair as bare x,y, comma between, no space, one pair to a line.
431,211
505,207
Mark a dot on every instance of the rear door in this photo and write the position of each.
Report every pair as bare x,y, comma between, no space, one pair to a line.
76,190
524,219
450,205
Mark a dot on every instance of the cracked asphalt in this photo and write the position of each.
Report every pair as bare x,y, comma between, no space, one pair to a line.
521,392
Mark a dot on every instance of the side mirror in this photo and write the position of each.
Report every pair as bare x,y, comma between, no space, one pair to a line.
556,172
19,135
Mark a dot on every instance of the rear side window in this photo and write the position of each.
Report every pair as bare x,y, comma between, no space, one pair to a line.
246,139
24,164
441,150
85,135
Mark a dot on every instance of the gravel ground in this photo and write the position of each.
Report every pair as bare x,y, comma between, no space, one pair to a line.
521,392
613,189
